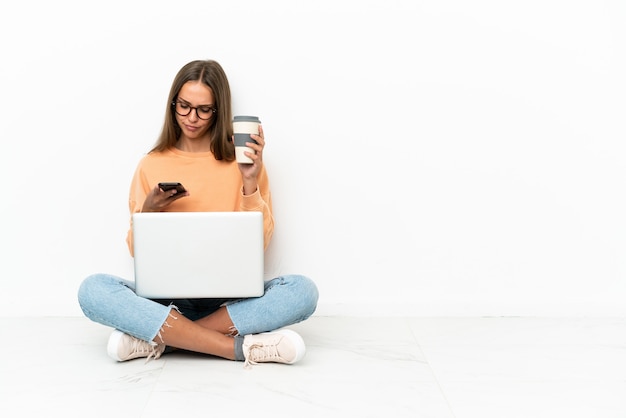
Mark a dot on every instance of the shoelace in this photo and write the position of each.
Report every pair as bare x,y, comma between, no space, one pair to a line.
261,353
141,346
154,354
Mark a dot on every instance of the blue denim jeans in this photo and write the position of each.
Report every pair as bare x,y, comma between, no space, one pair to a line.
111,301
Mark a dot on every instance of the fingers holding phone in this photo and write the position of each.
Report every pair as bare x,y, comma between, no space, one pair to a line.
163,195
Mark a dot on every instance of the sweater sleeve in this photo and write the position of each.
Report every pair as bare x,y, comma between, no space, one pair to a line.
261,201
139,189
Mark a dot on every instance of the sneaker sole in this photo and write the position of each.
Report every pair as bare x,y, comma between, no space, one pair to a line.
297,341
113,344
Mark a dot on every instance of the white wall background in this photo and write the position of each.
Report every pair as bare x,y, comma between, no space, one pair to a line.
442,157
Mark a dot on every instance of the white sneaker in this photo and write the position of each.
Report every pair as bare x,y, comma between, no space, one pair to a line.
282,346
122,347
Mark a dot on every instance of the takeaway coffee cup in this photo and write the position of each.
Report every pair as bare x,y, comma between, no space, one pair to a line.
243,126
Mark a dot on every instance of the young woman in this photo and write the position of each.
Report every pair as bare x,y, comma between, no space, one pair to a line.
196,148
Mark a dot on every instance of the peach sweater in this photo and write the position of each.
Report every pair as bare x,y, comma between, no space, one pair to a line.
213,186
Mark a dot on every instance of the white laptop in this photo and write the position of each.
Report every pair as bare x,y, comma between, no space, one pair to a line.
198,254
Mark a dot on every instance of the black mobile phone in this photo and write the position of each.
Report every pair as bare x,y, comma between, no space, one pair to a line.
165,186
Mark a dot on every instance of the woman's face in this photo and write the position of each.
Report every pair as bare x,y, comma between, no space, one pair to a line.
196,99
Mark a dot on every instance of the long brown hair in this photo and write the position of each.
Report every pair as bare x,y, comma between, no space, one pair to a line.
211,74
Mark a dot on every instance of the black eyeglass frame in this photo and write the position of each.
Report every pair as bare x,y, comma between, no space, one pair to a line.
175,102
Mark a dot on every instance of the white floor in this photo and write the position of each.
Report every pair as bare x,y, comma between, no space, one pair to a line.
354,367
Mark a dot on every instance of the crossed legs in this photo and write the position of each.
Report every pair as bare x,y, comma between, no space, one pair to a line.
208,335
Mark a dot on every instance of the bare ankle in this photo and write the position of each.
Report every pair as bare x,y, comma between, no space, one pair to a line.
173,315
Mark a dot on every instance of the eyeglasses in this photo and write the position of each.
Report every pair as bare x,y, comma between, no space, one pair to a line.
203,112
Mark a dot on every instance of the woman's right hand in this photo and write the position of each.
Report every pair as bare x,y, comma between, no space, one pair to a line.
158,200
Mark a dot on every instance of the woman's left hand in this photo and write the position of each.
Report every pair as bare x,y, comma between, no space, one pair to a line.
250,172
